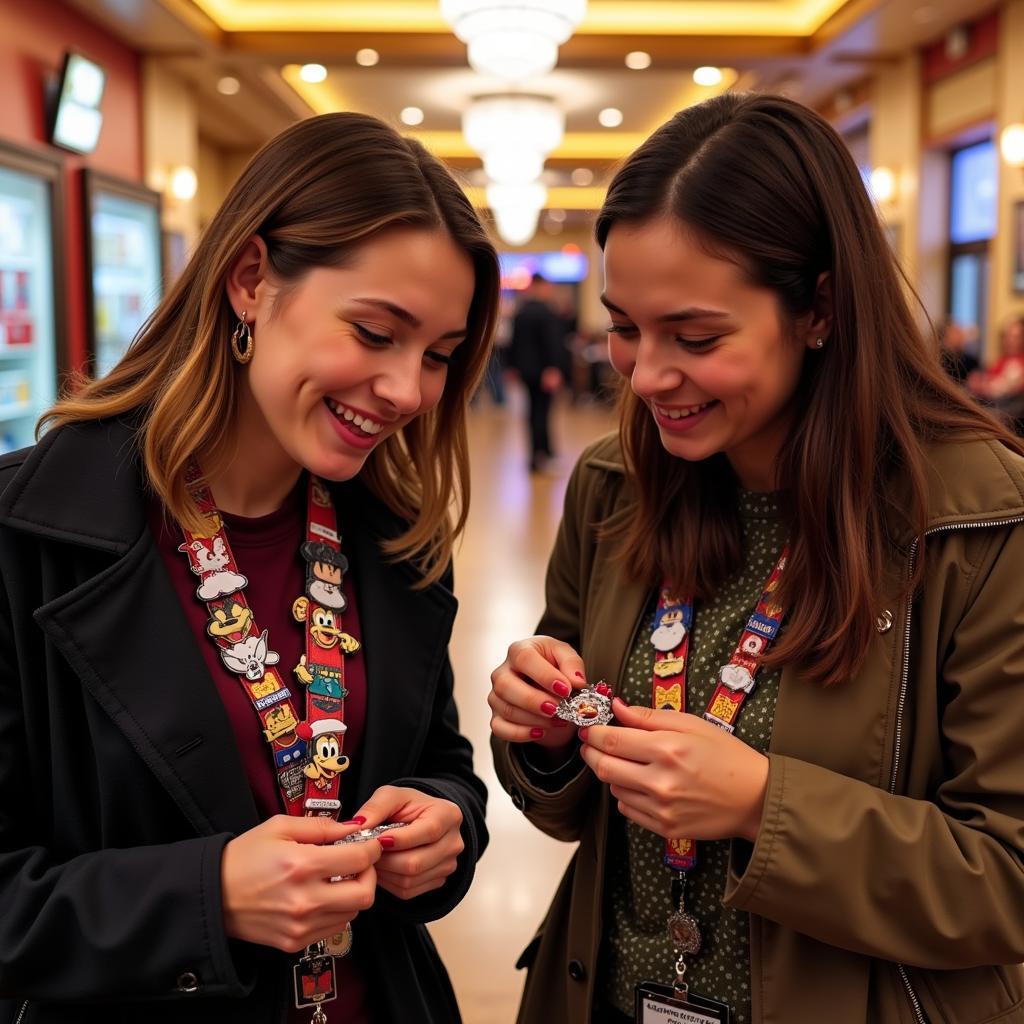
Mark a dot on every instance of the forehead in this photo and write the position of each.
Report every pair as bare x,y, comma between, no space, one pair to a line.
659,266
422,270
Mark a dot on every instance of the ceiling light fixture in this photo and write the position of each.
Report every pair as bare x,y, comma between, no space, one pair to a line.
411,116
610,117
516,210
707,76
367,58
638,60
513,39
582,176
514,134
313,73
228,85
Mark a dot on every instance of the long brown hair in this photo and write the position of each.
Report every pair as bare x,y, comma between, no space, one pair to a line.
313,194
768,184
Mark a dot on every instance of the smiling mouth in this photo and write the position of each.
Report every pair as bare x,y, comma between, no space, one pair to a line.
353,418
682,414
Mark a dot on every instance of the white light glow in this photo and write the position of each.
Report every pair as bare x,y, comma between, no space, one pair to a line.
411,115
228,86
313,73
1011,144
707,76
638,60
610,117
184,183
513,39
367,58
883,184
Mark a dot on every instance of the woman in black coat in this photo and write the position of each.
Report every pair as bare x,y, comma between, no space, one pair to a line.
295,406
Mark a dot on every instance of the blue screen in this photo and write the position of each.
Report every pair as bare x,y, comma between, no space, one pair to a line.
973,193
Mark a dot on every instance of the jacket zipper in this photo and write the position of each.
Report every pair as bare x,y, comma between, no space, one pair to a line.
21,1012
901,705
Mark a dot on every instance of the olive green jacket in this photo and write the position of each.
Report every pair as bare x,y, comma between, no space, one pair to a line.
886,884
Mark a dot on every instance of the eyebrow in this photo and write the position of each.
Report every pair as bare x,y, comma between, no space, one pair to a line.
693,313
407,318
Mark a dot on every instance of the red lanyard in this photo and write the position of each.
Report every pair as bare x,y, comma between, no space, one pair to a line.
308,758
671,639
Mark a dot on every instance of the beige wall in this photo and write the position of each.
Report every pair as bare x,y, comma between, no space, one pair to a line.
170,139
1009,109
896,143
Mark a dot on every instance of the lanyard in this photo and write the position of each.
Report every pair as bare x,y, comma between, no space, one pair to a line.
307,754
671,640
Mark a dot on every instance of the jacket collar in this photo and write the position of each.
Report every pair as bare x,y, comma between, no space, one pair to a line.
83,484
972,481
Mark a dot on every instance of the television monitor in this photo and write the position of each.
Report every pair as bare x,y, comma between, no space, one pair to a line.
76,117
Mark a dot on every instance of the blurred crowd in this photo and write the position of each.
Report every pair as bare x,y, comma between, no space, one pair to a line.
1000,385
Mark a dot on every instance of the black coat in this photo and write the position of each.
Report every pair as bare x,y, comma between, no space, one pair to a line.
537,342
120,781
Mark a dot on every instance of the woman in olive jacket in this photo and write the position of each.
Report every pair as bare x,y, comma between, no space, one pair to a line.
873,841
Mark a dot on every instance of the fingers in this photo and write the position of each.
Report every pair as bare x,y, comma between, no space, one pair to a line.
615,770
351,859
315,831
622,743
550,664
405,888
384,804
638,717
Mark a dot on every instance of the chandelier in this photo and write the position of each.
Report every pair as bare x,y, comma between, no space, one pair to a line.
516,209
513,39
513,133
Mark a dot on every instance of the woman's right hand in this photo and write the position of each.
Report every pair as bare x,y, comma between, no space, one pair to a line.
276,883
527,686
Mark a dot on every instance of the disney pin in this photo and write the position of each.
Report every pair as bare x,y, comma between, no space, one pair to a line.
591,706
325,566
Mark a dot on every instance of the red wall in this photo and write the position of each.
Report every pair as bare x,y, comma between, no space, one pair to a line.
34,35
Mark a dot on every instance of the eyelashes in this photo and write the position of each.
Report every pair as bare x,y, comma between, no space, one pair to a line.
693,344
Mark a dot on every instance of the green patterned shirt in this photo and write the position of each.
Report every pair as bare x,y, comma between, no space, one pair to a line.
638,900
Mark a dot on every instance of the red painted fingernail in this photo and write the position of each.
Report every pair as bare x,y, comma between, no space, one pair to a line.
548,708
358,820
535,734
562,689
386,841
583,734
580,675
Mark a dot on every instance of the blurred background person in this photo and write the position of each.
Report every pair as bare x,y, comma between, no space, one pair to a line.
957,343
1002,385
536,352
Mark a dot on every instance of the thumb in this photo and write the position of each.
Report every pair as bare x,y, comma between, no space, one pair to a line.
316,831
382,805
634,716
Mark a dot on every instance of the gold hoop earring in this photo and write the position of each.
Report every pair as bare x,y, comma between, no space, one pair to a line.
242,343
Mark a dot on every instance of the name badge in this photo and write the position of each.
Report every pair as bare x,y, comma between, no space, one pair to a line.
659,1004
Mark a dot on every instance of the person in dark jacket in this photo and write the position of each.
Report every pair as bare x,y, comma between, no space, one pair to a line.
223,565
537,352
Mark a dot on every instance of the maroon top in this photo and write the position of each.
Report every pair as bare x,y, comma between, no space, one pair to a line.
266,550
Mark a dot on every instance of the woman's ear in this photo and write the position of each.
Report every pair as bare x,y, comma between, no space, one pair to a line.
247,273
820,326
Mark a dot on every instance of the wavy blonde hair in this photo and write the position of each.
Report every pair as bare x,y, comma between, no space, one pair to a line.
313,194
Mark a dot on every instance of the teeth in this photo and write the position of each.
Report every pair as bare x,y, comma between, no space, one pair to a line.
682,414
366,425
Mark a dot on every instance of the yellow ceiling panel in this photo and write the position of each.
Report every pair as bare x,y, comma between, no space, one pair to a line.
604,17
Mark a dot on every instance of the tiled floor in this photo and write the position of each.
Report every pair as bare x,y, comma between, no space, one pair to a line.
499,573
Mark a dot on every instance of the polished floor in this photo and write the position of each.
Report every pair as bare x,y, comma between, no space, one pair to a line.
499,577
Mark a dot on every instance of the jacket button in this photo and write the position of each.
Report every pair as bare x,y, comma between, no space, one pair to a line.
188,982
884,621
576,970
518,800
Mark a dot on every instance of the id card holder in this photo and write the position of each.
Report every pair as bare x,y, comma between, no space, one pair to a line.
314,981
659,1004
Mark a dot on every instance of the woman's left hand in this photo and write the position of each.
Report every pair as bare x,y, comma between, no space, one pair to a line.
421,856
678,775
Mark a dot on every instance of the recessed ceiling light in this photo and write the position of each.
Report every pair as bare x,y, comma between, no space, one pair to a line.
312,72
638,60
556,215
411,115
610,117
582,176
228,85
707,76
367,58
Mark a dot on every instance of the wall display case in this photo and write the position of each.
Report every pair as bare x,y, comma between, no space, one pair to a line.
124,266
31,291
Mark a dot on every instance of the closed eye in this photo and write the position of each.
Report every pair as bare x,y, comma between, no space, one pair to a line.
620,329
439,358
698,344
370,337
